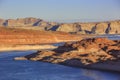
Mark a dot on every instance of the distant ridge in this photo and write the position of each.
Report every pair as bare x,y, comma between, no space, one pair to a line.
103,27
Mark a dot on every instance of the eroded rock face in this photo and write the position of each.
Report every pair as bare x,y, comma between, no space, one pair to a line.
22,22
110,27
87,27
114,27
101,28
68,28
28,22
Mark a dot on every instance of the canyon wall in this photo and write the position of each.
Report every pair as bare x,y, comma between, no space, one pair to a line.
108,27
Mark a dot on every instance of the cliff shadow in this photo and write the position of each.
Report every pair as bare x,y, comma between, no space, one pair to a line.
54,28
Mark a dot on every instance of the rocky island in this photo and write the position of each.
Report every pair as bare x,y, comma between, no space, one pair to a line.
92,53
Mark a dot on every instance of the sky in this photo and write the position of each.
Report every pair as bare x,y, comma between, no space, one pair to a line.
61,10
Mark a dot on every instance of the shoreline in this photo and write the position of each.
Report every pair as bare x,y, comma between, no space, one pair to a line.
26,47
96,53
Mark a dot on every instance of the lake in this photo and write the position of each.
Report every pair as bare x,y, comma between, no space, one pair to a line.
30,70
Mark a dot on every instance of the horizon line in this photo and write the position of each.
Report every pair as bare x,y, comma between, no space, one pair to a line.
66,20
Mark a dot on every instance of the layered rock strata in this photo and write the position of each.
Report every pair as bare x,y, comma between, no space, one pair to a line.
9,36
108,27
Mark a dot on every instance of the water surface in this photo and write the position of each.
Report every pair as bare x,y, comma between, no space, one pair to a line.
30,70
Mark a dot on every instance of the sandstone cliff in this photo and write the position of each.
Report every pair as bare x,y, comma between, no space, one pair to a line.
68,28
109,27
22,22
25,22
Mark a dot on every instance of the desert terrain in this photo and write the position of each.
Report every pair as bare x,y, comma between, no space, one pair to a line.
82,45
103,27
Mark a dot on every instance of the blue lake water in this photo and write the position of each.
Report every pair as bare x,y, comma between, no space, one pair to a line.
111,36
29,70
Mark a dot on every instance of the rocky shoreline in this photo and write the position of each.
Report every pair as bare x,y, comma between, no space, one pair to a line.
92,53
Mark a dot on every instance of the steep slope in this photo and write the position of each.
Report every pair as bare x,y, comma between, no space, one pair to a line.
110,27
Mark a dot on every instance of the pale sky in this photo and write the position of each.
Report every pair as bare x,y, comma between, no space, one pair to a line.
61,10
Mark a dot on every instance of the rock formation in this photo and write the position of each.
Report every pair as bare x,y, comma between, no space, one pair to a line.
26,22
96,53
11,36
22,22
109,27
114,27
68,28
101,28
